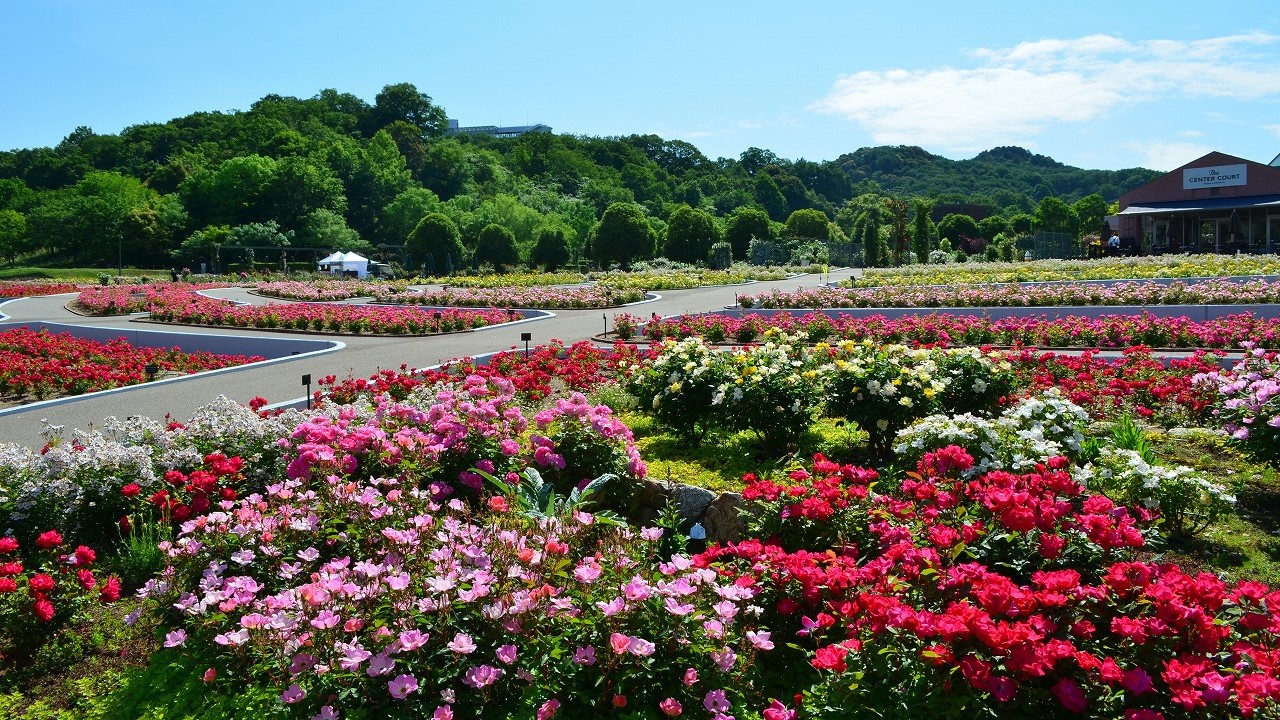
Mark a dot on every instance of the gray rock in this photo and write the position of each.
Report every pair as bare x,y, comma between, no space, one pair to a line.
723,519
692,502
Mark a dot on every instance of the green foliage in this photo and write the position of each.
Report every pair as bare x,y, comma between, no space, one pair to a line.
690,235
622,236
536,499
808,224
1053,215
744,226
551,250
922,229
497,247
957,225
436,243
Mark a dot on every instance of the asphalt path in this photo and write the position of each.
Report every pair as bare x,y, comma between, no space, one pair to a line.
363,356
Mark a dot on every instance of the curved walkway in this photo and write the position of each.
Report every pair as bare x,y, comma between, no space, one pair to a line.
362,356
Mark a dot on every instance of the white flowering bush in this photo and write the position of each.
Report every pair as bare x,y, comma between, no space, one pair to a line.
976,381
1187,502
74,485
883,388
1036,428
1049,417
773,389
678,384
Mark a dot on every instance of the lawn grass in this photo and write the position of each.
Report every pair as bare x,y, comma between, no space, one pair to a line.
1246,546
84,275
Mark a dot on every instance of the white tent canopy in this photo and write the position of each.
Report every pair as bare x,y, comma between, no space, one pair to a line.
340,263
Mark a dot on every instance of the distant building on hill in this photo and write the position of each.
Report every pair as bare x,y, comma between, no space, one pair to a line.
496,131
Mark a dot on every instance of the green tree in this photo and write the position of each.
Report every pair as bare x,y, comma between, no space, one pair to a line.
497,246
403,102
13,234
1090,210
551,249
1054,215
922,229
898,212
744,225
992,226
434,242
267,234
808,224
403,214
324,228
690,235
770,197
622,236
1021,223
874,250
956,225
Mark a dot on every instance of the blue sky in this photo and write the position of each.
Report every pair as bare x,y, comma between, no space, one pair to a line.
1095,85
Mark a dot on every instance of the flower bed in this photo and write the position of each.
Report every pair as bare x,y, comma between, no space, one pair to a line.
684,279
327,290
1209,292
576,298
41,365
1163,266
358,319
508,280
395,551
127,299
1106,331
32,288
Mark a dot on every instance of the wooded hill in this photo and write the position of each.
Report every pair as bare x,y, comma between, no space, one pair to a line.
334,171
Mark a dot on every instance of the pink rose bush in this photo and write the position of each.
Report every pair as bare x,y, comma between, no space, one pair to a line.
337,583
1247,401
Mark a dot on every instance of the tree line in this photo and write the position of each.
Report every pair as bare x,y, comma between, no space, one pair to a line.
336,172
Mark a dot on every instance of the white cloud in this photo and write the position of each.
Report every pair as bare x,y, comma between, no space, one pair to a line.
1014,93
1165,156
1273,128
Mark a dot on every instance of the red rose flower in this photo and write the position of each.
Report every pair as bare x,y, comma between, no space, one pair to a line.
110,591
41,583
10,568
84,556
43,610
131,490
49,539
7,585
8,545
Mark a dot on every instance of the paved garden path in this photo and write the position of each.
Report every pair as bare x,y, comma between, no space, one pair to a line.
362,356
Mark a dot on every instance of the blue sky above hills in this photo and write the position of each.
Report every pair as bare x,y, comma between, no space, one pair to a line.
1095,85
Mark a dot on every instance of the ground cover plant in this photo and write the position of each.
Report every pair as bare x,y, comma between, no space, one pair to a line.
395,552
1158,266
38,365
1204,292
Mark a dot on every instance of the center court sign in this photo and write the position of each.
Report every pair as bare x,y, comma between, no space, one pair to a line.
1217,176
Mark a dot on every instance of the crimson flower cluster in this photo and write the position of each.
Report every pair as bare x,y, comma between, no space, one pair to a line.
43,590
41,364
1004,593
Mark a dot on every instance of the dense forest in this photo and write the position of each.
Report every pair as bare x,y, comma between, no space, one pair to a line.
336,172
